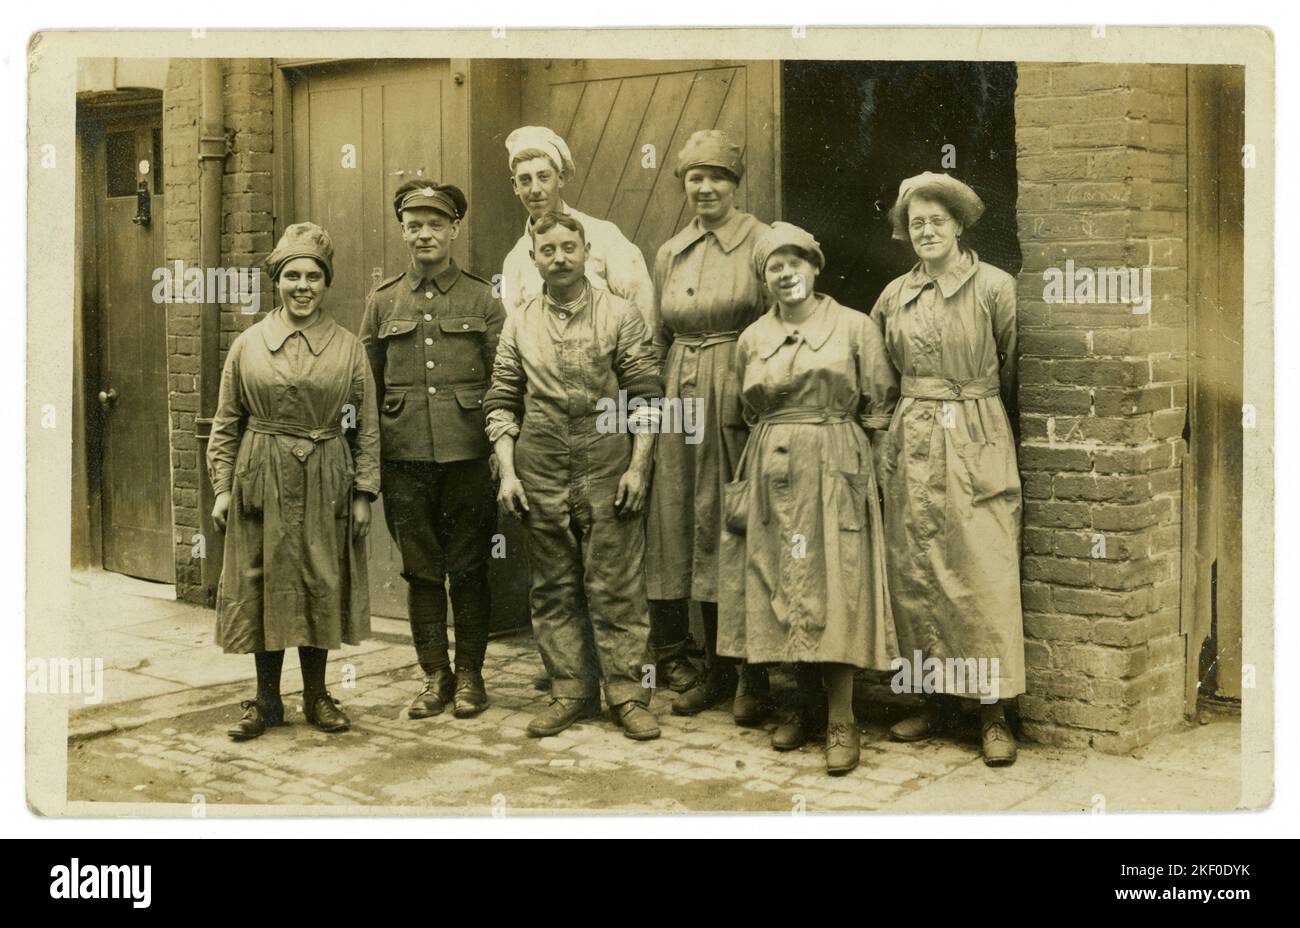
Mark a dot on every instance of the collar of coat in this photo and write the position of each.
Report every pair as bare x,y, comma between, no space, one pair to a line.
442,280
729,235
275,331
770,333
949,282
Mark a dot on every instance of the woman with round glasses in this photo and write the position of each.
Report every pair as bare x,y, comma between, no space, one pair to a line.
948,464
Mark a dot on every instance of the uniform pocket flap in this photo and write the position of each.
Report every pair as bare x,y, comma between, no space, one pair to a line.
396,327
463,324
393,402
470,397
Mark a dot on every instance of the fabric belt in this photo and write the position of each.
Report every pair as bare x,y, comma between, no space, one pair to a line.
295,429
704,339
941,388
804,415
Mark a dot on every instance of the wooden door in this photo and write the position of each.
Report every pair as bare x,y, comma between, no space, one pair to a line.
1212,487
625,122
127,416
360,130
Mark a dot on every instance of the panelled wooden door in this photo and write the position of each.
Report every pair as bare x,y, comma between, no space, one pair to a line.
128,389
625,122
1212,495
360,130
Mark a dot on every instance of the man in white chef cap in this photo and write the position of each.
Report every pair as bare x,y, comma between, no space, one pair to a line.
540,164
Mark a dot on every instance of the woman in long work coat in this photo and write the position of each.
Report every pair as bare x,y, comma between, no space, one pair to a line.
803,562
707,294
952,488
294,464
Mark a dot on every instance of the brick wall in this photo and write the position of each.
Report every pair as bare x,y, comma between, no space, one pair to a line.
247,211
1103,393
246,237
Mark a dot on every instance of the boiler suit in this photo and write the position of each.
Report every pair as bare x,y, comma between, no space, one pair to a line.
589,611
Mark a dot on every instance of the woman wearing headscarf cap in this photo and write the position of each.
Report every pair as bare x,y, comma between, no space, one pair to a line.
803,561
707,294
294,464
948,462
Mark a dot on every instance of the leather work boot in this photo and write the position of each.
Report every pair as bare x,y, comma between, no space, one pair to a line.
996,741
842,748
677,673
718,685
561,713
439,687
323,711
753,700
806,721
637,721
929,721
257,719
471,695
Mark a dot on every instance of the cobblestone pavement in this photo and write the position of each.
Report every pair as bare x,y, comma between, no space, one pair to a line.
169,746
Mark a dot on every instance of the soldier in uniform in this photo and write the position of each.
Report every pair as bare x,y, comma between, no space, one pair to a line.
430,334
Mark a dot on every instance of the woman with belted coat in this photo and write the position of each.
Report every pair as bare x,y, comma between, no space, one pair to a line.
294,463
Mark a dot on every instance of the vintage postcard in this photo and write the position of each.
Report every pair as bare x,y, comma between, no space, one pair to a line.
804,419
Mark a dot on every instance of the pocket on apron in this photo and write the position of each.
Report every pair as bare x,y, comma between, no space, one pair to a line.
851,499
991,470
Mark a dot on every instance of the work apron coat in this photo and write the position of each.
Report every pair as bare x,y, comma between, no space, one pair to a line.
555,369
952,487
708,294
295,433
802,569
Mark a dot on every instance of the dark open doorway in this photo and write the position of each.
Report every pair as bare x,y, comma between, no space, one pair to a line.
852,130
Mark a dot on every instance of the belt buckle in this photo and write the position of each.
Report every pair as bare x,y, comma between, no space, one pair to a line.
956,387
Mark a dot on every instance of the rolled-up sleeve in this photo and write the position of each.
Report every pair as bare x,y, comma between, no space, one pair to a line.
227,423
636,362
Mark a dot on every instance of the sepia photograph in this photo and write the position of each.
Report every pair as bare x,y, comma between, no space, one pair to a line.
654,422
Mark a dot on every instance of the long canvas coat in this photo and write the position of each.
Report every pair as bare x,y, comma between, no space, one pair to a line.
293,574
802,569
708,295
952,488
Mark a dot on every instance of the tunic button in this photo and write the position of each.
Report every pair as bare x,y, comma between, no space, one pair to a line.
428,294
690,291
428,318
298,451
315,434
464,325
428,364
433,390
393,329
562,315
428,341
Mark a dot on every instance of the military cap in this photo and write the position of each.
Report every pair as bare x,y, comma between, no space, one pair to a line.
443,197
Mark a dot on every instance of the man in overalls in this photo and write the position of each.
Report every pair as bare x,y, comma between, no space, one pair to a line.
578,484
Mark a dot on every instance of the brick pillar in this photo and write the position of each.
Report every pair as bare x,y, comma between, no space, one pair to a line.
1102,163
248,219
181,243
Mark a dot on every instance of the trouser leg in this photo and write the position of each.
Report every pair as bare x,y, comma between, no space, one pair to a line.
614,555
559,608
466,520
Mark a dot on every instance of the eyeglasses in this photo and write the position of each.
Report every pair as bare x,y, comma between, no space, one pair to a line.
938,223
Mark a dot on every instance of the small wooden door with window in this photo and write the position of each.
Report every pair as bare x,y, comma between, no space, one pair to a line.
126,373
